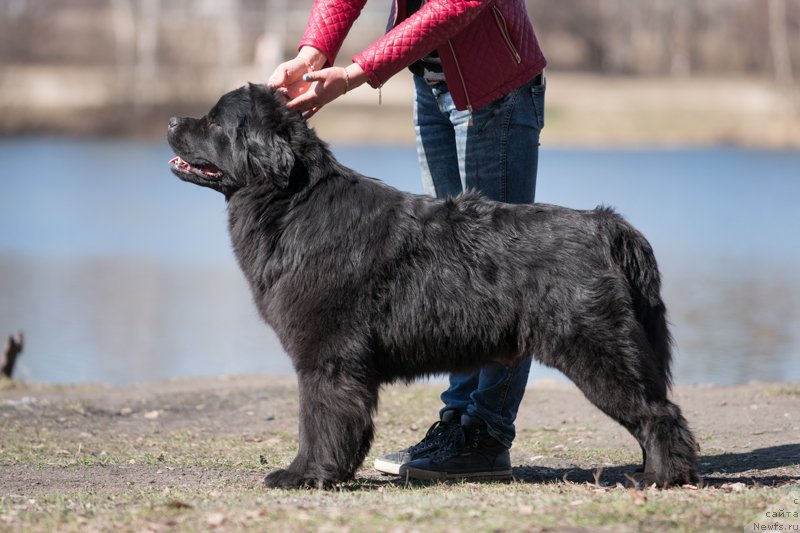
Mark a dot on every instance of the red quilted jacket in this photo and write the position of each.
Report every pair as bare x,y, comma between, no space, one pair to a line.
488,47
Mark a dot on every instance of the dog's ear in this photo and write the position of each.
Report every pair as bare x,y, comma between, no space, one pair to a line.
269,157
269,154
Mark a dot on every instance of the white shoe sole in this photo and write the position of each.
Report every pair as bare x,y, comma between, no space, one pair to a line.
387,467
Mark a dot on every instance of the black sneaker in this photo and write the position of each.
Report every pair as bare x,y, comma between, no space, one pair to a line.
468,453
391,463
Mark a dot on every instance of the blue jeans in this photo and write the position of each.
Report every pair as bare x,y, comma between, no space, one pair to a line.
494,149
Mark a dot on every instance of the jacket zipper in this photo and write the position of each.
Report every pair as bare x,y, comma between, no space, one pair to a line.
501,23
463,83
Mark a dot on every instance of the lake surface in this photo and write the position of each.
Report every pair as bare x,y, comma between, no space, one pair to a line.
118,272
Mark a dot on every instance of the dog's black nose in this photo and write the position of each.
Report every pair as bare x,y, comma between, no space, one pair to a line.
173,122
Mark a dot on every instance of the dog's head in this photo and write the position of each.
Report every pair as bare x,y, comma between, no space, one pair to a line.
243,141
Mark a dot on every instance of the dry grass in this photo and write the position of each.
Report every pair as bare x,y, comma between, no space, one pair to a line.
190,455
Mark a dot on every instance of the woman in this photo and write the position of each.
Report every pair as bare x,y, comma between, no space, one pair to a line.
478,113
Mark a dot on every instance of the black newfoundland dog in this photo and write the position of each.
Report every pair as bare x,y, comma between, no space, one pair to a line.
366,285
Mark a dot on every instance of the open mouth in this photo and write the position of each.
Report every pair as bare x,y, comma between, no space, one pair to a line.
204,170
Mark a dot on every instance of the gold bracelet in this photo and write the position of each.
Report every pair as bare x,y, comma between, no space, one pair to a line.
346,81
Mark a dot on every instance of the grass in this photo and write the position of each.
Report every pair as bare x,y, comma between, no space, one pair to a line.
71,462
784,390
41,448
354,507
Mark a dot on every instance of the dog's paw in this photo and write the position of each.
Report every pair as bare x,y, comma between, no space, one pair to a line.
643,480
284,479
288,479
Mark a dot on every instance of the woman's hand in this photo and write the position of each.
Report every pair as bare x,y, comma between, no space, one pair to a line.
324,86
287,78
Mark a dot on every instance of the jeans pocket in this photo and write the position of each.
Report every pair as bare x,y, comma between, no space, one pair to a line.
537,94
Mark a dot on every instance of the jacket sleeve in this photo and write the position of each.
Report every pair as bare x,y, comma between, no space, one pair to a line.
328,24
424,31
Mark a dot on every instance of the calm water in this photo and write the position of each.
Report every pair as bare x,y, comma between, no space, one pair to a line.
118,272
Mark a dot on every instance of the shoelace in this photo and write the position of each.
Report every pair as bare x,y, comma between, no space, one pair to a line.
436,430
454,441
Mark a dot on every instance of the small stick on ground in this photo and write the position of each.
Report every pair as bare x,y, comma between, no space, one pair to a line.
597,473
12,347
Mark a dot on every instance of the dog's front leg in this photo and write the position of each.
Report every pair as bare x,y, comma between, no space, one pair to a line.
336,429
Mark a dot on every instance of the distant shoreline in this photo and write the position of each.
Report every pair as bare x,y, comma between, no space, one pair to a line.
593,111
582,110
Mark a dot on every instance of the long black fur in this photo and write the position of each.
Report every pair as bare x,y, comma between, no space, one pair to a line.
366,285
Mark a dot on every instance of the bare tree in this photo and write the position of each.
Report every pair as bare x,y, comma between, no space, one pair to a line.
270,45
230,42
617,18
123,26
779,42
680,57
146,48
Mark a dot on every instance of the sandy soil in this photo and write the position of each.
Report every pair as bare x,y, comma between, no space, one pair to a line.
99,439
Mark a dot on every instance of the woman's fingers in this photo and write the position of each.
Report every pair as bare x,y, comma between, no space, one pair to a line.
293,90
324,86
279,76
310,113
288,73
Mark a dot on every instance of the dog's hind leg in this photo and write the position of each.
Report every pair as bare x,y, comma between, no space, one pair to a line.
336,429
670,447
623,381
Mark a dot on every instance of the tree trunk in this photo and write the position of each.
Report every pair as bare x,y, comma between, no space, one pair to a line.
270,47
230,45
779,42
124,28
680,58
146,48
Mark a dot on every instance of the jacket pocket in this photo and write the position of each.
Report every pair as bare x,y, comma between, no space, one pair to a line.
503,27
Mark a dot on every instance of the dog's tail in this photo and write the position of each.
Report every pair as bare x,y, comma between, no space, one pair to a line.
633,253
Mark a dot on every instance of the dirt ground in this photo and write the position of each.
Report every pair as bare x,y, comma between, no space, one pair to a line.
172,433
